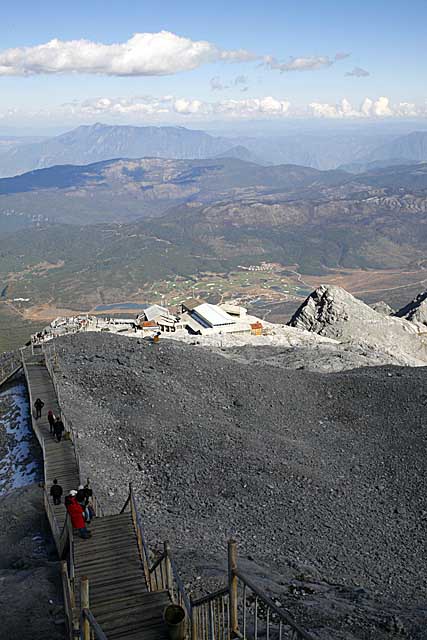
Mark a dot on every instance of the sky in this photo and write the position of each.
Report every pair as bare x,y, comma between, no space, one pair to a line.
189,62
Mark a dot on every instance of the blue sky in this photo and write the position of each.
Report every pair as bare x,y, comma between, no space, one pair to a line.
288,68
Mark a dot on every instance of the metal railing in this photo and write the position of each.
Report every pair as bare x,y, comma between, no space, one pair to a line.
162,574
238,610
211,616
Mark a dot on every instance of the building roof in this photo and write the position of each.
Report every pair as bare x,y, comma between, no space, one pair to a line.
155,311
256,325
191,303
213,316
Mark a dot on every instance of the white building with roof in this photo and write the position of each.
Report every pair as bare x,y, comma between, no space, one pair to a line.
212,317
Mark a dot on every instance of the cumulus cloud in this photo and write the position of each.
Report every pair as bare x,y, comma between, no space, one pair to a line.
144,54
369,108
170,105
146,109
358,72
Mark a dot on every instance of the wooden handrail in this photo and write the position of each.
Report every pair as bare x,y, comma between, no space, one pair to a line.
94,625
157,563
209,597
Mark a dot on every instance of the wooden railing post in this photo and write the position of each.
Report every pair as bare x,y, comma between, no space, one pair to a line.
193,625
167,549
84,601
233,586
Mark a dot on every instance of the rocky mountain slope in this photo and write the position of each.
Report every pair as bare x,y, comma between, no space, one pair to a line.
333,312
321,477
415,311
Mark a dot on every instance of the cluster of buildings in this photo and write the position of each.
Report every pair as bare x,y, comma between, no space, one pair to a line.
194,316
199,318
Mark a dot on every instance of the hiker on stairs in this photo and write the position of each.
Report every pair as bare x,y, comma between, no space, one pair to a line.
76,513
56,492
51,419
38,405
59,429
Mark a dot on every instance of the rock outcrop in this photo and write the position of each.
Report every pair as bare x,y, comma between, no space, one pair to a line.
333,312
383,308
415,311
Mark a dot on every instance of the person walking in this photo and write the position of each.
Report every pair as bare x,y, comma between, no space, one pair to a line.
83,497
38,405
76,511
51,419
56,492
59,429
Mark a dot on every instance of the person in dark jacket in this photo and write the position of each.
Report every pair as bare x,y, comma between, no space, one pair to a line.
59,429
51,419
38,405
83,497
56,492
76,513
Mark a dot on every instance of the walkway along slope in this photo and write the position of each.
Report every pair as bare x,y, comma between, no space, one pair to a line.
114,587
105,574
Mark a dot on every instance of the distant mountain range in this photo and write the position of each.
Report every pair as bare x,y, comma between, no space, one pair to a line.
210,216
99,142
125,190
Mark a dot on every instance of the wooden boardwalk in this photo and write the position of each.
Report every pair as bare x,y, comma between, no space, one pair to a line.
112,559
59,458
119,597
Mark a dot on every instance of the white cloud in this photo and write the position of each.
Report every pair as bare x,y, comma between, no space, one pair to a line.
299,64
170,105
252,107
188,107
179,109
218,85
144,54
358,72
380,108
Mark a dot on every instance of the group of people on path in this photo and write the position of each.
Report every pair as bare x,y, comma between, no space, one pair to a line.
78,505
56,425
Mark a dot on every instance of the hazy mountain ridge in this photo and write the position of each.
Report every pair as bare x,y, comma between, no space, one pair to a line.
322,150
124,190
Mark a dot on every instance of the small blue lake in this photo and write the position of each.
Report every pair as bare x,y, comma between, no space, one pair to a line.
120,305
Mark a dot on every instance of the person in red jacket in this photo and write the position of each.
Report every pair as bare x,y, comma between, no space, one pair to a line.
76,513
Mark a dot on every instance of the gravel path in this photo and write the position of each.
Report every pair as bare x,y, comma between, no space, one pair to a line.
321,477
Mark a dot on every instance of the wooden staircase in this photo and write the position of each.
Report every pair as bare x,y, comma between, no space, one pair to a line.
119,597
